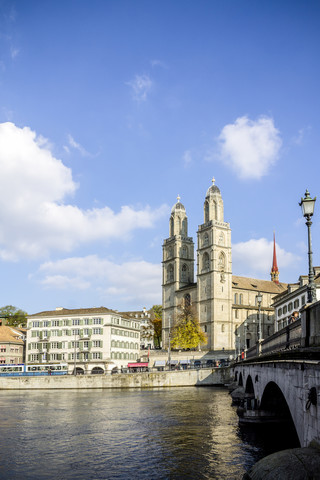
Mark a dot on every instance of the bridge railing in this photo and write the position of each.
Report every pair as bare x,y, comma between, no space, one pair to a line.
286,338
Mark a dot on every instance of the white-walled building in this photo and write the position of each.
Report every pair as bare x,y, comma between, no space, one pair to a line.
294,298
87,339
146,326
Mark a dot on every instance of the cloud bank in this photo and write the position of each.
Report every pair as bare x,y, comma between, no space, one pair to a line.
141,86
129,282
250,147
34,215
254,258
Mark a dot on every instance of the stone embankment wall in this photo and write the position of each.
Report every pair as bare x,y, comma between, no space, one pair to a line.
180,378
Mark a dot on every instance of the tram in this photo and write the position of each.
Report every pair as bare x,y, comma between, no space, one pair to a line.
22,369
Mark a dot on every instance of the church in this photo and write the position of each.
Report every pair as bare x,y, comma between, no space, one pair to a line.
225,304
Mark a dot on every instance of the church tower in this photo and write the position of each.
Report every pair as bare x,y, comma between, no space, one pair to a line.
274,270
214,273
177,265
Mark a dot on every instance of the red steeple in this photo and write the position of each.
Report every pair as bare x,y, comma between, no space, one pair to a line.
274,270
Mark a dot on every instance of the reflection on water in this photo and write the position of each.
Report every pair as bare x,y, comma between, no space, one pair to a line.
180,433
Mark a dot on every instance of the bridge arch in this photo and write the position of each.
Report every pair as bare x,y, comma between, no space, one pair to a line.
274,401
249,386
240,380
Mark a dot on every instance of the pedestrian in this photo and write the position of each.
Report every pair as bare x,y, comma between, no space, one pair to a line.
294,316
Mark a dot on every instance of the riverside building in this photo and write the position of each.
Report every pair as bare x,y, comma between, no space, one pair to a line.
87,339
223,302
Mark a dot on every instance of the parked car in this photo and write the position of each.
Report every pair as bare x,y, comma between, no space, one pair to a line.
197,364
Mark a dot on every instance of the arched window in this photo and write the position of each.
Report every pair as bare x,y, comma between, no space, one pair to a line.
184,273
187,300
170,252
127,345
132,345
112,355
113,343
184,252
205,240
205,261
206,212
235,298
221,239
118,344
170,276
215,211
171,227
240,299
184,227
131,356
222,327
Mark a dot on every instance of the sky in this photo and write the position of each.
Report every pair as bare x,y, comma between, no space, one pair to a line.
110,109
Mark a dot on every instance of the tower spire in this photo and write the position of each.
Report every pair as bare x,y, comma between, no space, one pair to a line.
274,270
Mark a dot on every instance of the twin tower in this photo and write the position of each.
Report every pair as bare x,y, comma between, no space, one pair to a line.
211,293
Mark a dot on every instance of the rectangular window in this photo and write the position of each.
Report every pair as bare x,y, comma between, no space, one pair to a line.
55,323
86,321
279,312
34,357
97,343
3,349
36,324
285,309
65,323
296,303
54,356
86,332
97,321
74,344
44,333
54,333
76,331
65,332
46,323
96,355
54,345
97,331
303,300
86,344
76,321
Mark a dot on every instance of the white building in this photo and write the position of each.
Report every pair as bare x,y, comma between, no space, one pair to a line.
146,326
294,298
87,339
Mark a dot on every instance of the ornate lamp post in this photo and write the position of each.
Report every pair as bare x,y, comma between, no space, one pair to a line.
259,301
307,205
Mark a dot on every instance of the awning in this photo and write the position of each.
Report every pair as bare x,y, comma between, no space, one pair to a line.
174,362
185,362
138,364
159,363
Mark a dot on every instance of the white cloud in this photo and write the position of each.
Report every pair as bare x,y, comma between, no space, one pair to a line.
129,282
76,146
158,63
141,86
250,147
14,52
187,158
34,217
254,258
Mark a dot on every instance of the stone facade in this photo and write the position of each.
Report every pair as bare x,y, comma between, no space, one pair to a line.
223,302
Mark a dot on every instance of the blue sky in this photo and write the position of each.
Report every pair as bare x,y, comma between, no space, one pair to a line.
110,109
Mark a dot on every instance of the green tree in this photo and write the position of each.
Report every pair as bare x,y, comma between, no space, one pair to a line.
186,333
156,320
15,317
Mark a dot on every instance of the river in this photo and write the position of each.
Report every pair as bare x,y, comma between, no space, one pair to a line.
178,433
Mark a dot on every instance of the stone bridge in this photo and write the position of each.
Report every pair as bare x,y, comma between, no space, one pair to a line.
283,382
282,391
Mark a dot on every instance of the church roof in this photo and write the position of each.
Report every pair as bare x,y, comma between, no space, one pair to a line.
213,189
267,286
178,207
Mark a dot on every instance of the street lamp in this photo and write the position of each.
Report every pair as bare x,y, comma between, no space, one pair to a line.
259,301
307,205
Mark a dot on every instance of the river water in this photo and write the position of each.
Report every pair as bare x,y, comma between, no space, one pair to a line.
178,433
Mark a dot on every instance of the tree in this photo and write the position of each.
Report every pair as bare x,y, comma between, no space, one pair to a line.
156,320
15,317
186,333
